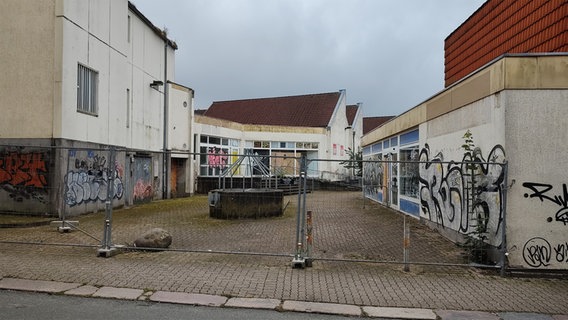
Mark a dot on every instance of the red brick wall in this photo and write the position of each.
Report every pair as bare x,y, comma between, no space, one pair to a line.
505,26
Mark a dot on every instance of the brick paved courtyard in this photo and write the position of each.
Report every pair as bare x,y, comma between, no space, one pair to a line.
344,228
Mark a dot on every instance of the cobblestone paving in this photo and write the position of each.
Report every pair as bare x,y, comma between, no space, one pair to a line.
343,229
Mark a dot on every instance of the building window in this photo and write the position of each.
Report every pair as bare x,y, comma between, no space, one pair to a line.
87,90
128,108
217,155
409,172
129,30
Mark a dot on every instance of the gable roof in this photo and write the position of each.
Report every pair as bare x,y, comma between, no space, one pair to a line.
370,123
351,112
311,110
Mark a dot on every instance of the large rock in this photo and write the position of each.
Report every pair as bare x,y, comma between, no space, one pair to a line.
155,238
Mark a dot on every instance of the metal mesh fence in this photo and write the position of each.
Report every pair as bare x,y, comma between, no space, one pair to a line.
246,204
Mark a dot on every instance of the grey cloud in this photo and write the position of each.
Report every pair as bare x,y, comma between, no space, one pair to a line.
388,54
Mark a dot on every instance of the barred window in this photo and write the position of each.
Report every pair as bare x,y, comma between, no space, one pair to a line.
87,90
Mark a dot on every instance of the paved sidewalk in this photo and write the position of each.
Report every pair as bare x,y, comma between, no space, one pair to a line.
77,289
270,282
369,289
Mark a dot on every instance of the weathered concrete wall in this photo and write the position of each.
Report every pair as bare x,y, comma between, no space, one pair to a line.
27,61
63,177
91,177
537,208
446,188
26,176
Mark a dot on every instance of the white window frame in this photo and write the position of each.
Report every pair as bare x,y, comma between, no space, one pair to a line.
87,90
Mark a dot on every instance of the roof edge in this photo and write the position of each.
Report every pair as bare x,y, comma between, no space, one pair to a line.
159,32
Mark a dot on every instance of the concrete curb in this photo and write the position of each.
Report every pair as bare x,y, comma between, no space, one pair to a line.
76,289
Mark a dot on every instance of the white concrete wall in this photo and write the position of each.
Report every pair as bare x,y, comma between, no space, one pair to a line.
147,63
217,131
339,136
444,188
95,34
537,205
180,118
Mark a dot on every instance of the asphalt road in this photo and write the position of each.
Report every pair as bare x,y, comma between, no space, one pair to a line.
26,305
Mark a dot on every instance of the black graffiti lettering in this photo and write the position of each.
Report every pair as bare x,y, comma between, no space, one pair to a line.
537,252
541,191
562,215
447,189
561,251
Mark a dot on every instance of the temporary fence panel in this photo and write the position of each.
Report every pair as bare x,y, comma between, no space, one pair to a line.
294,206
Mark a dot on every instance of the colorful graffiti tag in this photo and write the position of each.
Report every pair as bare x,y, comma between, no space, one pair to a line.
88,181
143,189
24,175
217,158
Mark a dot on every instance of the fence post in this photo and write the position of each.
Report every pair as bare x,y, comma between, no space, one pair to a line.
299,260
406,244
65,226
309,238
106,250
504,252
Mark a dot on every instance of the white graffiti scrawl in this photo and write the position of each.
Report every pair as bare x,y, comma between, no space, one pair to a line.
89,181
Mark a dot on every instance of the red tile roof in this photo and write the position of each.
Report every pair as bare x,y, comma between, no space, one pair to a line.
351,112
500,27
312,110
370,123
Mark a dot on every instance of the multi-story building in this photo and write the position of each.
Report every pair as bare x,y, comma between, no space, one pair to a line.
83,78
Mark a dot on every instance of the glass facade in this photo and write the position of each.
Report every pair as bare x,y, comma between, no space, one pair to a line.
391,172
217,154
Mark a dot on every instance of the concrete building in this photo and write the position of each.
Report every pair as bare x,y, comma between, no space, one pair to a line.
319,126
84,77
507,107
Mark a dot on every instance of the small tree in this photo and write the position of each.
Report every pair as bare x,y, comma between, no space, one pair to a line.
355,162
475,240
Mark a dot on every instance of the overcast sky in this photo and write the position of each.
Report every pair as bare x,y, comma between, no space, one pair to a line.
387,54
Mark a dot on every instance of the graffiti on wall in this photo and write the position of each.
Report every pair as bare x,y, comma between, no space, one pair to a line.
24,175
373,173
539,252
544,192
88,181
143,189
448,189
217,158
